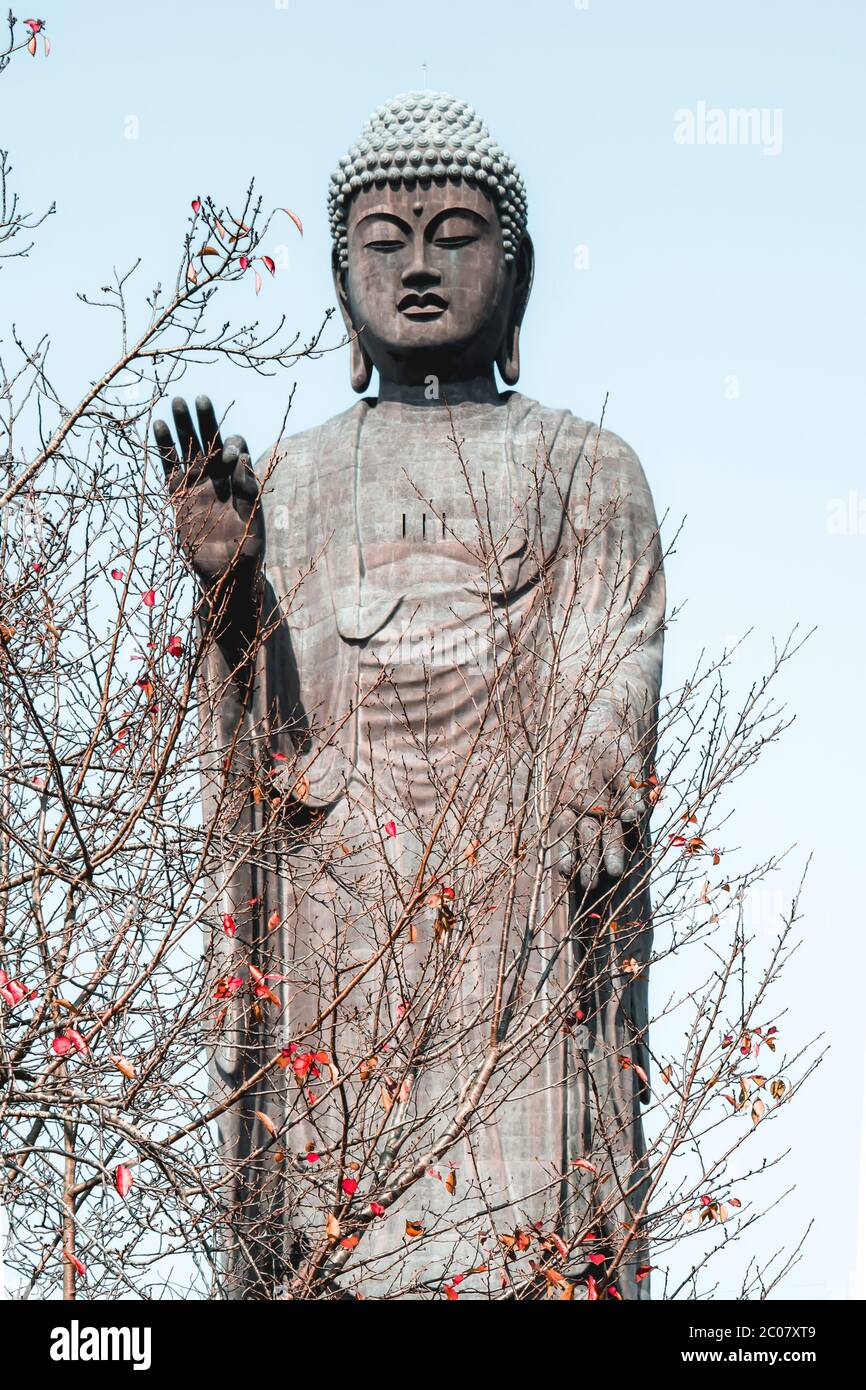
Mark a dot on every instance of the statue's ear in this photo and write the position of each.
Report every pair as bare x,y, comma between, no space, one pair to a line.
362,366
508,356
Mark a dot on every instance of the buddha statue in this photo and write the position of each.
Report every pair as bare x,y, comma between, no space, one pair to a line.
395,588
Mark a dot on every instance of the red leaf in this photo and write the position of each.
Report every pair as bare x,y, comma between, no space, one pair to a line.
61,1045
312,1157
196,204
76,1039
451,1293
117,574
227,987
642,1272
175,646
149,598
295,219
391,829
12,991
75,1262
31,46
230,926
244,262
585,1164
122,1179
597,1259
269,264
350,1185
377,1209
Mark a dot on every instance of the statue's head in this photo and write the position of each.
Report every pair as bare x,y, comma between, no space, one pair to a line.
432,260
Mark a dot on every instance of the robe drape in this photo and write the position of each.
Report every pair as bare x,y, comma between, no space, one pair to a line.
339,602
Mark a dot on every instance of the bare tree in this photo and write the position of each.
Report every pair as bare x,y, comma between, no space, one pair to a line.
124,981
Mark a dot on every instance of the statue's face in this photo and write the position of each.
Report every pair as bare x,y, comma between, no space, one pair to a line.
428,284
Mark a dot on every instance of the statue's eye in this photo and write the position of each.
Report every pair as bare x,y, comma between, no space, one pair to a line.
386,246
453,243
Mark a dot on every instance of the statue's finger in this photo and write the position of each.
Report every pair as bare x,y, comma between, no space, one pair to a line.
165,448
238,443
244,481
613,844
590,850
208,428
186,436
562,844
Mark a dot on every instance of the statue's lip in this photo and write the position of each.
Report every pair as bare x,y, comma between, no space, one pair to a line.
422,306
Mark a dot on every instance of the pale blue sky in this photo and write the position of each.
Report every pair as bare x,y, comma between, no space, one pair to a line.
705,263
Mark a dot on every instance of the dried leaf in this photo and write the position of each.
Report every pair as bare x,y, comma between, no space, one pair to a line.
123,1066
267,1122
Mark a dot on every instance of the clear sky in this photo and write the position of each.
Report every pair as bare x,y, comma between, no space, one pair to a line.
716,291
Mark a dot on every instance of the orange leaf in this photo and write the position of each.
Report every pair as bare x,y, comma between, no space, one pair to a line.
267,1122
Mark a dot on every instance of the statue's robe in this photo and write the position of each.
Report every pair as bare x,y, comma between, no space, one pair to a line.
373,565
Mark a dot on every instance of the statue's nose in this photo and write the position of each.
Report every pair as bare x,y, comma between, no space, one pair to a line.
419,275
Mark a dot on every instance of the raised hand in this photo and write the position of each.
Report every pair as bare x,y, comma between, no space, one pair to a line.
216,498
